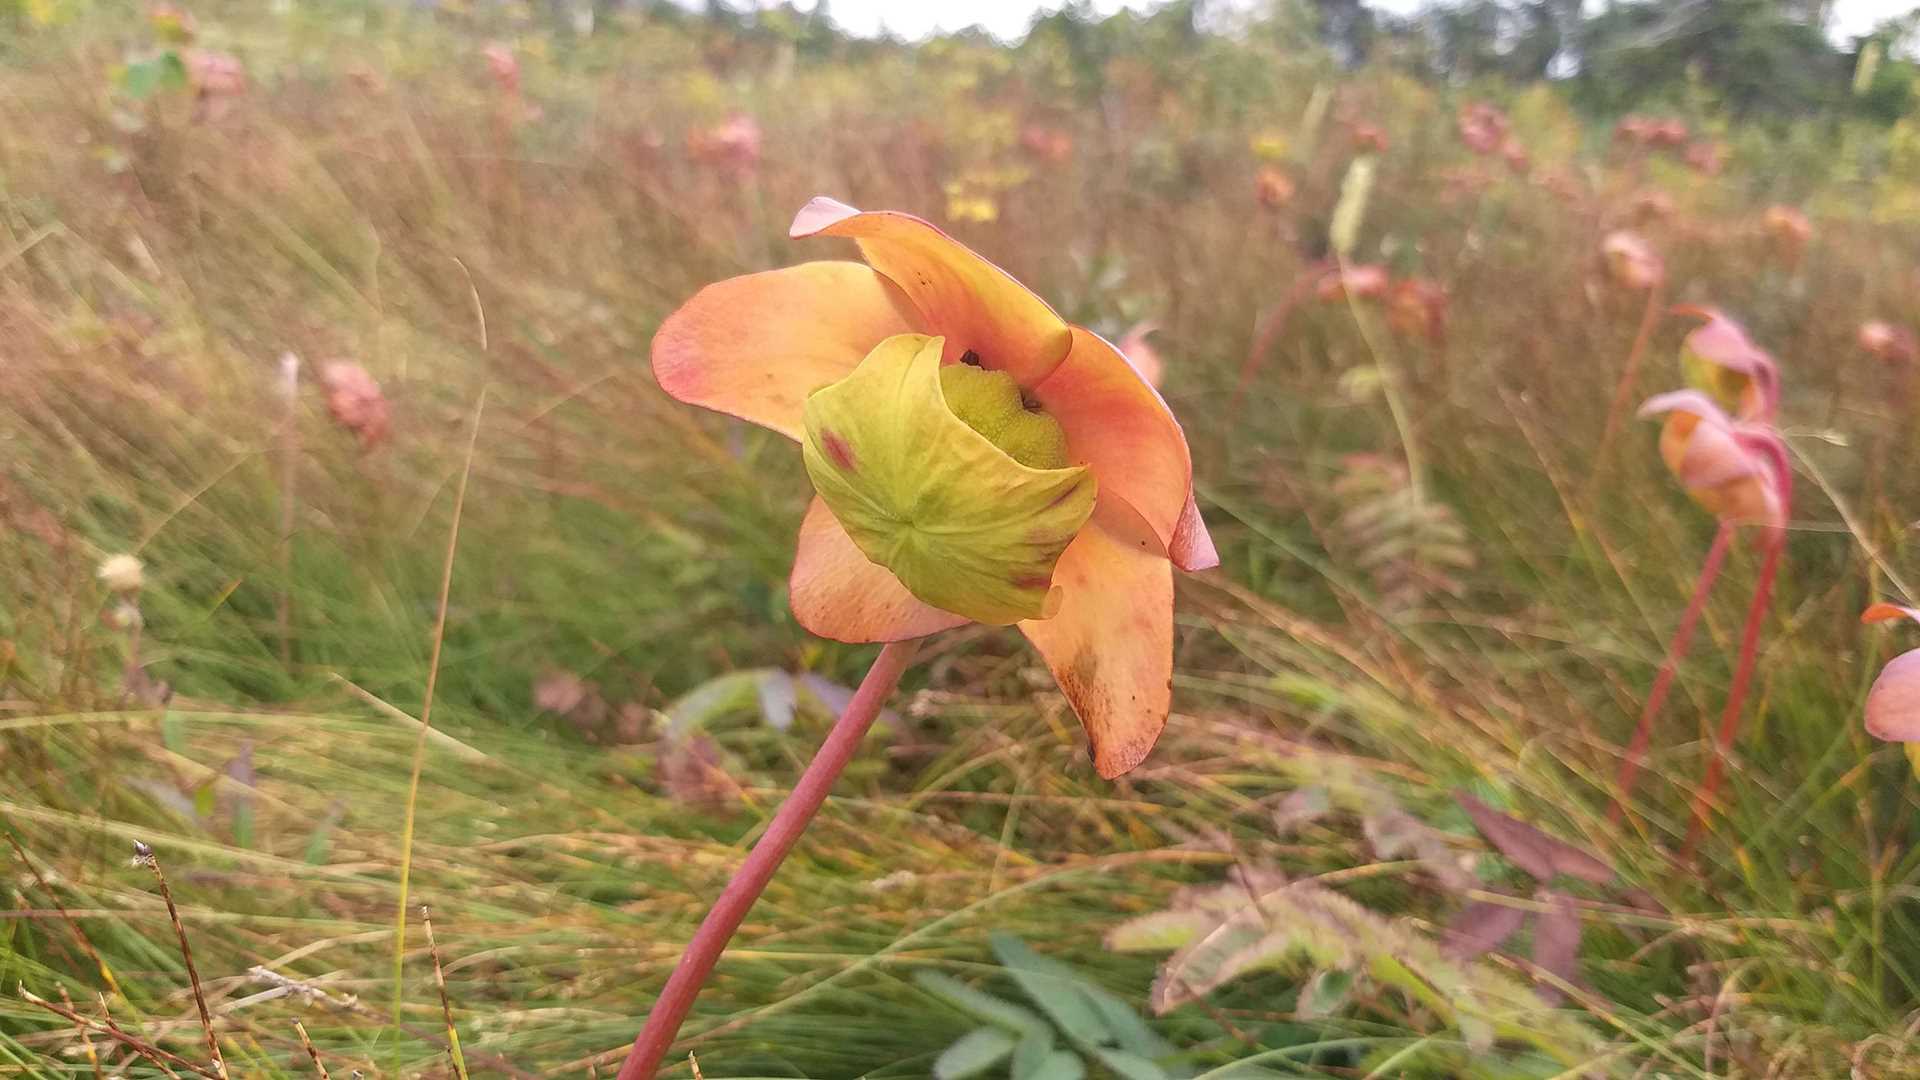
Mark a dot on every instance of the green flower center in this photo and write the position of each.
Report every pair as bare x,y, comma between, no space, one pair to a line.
991,403
944,475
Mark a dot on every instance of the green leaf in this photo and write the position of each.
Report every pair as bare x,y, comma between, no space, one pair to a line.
1032,1053
958,521
1128,1066
1129,1030
162,71
981,1005
973,1053
1055,987
203,800
321,842
1059,1065
1325,994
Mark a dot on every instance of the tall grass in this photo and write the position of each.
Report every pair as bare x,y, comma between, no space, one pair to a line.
376,196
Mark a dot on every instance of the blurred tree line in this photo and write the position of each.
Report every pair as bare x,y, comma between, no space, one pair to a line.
1754,59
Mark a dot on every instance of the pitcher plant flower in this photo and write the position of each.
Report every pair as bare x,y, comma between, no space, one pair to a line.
1788,232
1633,264
1886,342
975,458
1893,704
1719,358
1273,187
1417,309
1738,471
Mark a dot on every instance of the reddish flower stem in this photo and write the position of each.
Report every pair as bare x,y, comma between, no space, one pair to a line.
1663,682
1268,329
1623,391
674,1002
1737,693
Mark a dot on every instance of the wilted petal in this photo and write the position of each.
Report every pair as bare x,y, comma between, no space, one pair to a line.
1119,425
836,592
1893,705
1192,549
1110,646
1883,611
756,346
974,304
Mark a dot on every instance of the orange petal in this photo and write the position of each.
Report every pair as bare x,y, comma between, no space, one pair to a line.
974,304
1882,611
1119,425
835,592
756,346
1110,646
1893,705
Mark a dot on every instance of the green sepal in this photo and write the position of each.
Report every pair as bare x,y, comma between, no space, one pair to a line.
964,526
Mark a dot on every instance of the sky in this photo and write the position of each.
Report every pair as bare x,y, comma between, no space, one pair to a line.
1009,18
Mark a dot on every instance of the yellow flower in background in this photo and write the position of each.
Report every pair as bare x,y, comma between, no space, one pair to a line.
1268,146
968,205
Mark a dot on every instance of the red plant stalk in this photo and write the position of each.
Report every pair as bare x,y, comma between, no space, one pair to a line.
1737,693
676,999
1268,329
1663,682
1623,391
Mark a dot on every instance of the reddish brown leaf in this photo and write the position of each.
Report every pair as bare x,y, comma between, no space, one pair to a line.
689,771
1483,926
1531,850
1556,942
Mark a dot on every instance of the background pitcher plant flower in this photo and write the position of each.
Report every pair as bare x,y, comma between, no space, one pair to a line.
975,459
1719,359
1737,470
1893,704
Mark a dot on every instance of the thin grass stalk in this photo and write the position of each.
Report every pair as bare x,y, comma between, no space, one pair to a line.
313,1054
446,1007
145,856
710,940
426,711
1677,649
79,935
289,478
160,1058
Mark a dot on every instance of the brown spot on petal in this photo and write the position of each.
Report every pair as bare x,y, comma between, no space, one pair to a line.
838,451
1032,581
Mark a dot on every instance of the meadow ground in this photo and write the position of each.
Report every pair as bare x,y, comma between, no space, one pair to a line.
1435,577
